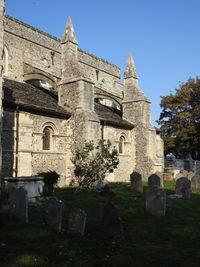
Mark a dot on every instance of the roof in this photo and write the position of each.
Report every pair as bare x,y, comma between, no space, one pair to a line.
112,117
29,97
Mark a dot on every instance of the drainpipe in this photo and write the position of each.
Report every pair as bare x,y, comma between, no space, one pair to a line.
17,142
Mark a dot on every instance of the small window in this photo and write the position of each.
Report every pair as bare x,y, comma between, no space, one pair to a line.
97,75
121,145
47,138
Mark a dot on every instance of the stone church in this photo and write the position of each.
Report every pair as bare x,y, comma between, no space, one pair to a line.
56,96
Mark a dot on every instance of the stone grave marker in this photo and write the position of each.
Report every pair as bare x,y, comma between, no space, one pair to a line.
195,183
111,218
53,213
160,174
154,180
190,175
107,193
18,203
183,187
77,222
136,182
182,173
155,200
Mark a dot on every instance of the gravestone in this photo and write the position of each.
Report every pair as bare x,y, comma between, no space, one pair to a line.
77,222
154,180
183,187
111,218
155,200
106,192
195,183
18,203
190,175
160,174
53,213
136,182
183,173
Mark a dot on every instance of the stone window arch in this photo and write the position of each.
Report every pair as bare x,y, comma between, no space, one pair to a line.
122,144
40,80
48,136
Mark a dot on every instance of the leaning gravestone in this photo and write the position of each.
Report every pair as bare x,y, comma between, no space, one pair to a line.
195,183
77,222
155,200
154,180
111,218
183,187
18,203
136,182
53,213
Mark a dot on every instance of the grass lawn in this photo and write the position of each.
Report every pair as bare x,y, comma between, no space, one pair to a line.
173,240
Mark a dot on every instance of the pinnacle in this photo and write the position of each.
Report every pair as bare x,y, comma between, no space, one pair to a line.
69,33
130,68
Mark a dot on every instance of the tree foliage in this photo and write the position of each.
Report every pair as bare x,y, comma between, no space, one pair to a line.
92,162
180,120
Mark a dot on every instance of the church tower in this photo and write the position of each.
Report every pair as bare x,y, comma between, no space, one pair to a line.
2,10
76,89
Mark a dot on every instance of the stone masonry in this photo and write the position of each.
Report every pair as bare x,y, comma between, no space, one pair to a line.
57,96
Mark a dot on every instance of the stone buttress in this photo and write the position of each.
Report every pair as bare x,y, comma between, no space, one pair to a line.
136,109
76,90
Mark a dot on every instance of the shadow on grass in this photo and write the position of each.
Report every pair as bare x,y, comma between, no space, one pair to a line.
147,240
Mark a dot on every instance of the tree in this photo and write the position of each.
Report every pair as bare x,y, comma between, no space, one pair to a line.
180,120
92,162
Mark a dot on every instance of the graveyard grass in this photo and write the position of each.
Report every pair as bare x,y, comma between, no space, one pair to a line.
173,240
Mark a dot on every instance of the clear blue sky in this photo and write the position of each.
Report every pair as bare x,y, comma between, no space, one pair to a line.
162,35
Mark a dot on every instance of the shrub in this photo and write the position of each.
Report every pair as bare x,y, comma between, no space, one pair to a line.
50,180
92,162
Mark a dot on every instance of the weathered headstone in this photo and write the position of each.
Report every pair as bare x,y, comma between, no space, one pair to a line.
77,222
183,173
136,182
107,193
155,200
53,213
160,175
154,180
183,187
111,218
190,175
18,203
195,183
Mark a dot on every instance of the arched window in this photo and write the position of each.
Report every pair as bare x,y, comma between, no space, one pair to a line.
121,144
47,138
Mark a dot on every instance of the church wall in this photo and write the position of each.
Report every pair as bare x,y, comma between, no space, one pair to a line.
27,143
23,51
28,45
127,158
58,157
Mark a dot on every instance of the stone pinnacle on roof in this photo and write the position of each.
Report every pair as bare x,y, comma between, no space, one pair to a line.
130,70
69,33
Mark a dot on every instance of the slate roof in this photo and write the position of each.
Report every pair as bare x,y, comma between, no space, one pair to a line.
112,117
29,97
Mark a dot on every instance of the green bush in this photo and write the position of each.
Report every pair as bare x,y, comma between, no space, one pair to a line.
92,162
50,180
